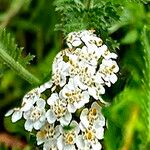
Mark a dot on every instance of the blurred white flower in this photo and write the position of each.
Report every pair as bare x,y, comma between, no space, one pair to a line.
75,97
30,99
89,139
16,114
107,69
58,110
47,136
35,117
60,73
93,116
68,138
106,53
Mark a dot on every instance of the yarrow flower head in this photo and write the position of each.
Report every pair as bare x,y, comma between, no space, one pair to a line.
35,117
58,110
92,116
65,112
68,138
48,135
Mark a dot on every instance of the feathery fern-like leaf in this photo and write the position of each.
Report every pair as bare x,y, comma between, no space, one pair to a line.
10,56
7,43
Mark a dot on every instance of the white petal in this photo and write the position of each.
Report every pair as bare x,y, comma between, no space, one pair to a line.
103,48
27,105
50,144
62,81
76,43
71,108
52,98
113,78
99,133
93,92
99,123
37,125
43,117
61,130
16,116
45,86
79,104
60,143
80,142
41,103
108,84
76,126
113,55
81,126
83,117
68,116
69,147
63,92
51,118
66,119
79,83
57,132
101,90
28,125
116,69
96,146
26,114
86,96
69,45
9,112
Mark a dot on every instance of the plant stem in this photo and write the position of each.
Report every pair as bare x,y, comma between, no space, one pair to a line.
146,44
130,129
18,68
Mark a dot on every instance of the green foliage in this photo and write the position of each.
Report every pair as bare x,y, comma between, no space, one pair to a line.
8,44
128,116
123,25
146,106
97,15
10,55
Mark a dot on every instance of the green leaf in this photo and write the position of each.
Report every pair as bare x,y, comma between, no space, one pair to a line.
130,37
10,55
7,42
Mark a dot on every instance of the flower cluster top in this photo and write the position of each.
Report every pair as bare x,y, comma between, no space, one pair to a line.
70,117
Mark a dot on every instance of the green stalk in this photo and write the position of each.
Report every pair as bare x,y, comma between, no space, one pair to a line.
146,44
130,129
18,68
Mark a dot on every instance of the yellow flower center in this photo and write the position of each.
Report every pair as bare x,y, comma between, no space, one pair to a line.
69,138
89,135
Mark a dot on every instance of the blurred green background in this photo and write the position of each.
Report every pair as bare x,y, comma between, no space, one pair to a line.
32,24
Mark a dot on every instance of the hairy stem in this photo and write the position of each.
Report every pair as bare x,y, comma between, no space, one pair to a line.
18,68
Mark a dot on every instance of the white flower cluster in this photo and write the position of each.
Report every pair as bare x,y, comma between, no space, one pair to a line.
79,76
